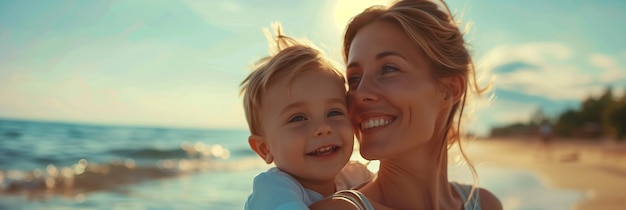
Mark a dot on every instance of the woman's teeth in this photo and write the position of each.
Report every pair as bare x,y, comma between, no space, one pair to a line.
372,123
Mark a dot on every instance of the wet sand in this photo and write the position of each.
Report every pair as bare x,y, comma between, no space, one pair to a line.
597,169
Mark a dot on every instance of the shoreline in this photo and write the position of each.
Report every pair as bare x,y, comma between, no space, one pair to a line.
598,169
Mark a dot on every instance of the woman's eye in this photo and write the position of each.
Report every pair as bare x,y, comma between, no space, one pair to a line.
334,113
353,80
297,119
388,68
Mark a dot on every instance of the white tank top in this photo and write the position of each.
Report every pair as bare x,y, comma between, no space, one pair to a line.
354,197
464,192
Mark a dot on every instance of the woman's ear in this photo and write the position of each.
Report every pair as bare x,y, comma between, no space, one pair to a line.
454,88
257,143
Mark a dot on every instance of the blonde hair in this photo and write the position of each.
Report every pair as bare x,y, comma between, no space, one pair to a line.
288,58
433,30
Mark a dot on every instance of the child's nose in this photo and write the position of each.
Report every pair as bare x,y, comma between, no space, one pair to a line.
323,130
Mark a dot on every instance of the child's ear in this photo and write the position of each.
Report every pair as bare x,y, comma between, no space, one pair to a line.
259,146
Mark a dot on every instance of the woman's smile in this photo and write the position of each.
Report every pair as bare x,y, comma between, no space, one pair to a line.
376,122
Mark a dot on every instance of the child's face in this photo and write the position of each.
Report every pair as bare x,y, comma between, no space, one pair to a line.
306,127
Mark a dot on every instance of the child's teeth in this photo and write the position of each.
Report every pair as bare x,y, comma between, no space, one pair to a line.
323,150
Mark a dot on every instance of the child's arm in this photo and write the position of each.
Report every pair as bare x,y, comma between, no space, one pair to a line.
333,204
275,191
353,176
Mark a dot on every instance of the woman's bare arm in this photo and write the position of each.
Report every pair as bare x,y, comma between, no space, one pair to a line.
331,203
340,204
488,201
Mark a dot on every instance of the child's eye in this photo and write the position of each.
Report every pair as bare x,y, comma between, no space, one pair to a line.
297,118
388,68
334,113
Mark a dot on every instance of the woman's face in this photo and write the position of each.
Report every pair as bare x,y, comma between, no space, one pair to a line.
393,101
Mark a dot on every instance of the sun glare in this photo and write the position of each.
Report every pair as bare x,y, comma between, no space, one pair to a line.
346,9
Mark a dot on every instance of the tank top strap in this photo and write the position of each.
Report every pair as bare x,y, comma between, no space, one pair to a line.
354,197
464,191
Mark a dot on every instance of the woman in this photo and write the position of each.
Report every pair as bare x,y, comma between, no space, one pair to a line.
408,72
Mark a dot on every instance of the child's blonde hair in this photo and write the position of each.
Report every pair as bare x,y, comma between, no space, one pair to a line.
288,58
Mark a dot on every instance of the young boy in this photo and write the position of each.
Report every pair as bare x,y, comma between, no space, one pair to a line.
296,110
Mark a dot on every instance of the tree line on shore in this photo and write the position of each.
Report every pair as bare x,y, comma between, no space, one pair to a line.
596,118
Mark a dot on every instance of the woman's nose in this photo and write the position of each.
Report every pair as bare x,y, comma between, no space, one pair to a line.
364,93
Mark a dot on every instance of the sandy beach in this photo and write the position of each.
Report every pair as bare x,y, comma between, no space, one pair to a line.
597,169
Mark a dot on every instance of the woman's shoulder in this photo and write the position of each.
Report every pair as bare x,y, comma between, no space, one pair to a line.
480,196
488,201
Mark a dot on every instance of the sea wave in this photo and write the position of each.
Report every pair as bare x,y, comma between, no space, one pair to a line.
149,153
85,176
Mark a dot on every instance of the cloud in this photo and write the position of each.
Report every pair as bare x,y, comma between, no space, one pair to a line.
513,67
499,112
552,70
551,81
610,70
547,76
531,53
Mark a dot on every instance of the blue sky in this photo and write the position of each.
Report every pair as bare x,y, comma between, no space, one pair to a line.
179,63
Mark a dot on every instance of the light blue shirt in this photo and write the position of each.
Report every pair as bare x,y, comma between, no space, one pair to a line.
275,189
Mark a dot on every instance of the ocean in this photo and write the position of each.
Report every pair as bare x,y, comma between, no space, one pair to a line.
47,165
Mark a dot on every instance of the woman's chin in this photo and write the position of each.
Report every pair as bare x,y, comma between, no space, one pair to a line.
371,152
